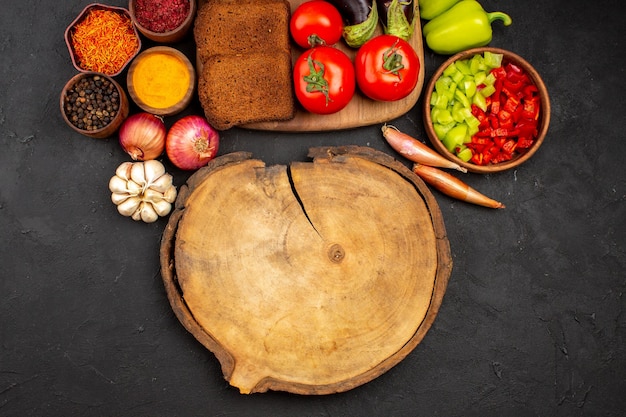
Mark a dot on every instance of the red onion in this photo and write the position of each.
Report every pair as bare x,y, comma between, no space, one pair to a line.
142,136
191,142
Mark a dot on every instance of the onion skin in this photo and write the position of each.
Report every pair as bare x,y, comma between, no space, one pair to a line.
142,136
191,143
415,151
454,187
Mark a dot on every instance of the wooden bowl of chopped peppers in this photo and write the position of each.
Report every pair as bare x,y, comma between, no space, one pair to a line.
102,39
487,109
163,21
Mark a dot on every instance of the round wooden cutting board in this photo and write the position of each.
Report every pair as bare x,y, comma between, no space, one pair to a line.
311,278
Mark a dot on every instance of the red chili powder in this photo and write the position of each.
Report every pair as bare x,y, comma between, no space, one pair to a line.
161,15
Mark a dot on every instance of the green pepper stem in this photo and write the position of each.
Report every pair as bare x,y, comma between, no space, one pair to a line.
493,16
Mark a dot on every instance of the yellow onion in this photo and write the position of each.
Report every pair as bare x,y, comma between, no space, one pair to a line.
142,136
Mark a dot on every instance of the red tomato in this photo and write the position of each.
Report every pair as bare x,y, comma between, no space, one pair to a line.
324,79
316,22
387,68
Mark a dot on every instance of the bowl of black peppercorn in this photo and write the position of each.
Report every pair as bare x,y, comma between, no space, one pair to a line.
94,104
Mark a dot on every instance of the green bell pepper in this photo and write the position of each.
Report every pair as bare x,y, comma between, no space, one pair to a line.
465,25
429,9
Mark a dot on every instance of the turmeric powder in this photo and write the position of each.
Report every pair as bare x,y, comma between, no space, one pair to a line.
160,80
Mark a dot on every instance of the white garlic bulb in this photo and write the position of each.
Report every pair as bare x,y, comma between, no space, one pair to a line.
142,190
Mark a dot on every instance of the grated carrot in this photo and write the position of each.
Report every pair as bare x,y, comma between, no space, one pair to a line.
104,41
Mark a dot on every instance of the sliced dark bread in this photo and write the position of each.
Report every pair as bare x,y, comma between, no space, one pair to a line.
253,87
226,26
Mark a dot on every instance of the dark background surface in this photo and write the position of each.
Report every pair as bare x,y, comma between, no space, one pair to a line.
532,323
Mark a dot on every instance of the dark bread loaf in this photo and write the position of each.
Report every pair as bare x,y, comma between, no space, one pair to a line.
226,26
244,61
254,87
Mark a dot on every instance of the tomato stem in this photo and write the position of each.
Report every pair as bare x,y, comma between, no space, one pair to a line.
392,60
315,80
314,40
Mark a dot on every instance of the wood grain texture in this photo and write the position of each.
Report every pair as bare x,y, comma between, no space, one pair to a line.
312,278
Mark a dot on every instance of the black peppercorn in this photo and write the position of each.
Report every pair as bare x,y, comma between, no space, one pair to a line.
90,104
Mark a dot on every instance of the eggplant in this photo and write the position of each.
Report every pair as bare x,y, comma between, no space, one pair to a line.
396,17
353,11
360,18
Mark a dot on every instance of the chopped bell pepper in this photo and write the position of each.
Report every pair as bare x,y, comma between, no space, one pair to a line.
495,107
509,146
464,153
524,143
499,73
509,125
511,104
489,115
455,137
531,108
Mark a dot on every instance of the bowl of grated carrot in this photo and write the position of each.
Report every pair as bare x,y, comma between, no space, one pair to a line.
102,39
487,109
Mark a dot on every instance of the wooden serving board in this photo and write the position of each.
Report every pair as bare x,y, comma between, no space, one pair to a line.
312,278
361,111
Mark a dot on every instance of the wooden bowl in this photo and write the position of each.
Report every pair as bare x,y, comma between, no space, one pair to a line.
171,36
544,116
133,88
117,120
69,32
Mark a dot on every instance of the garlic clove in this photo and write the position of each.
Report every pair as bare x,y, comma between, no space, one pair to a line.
136,216
117,184
123,171
162,207
137,173
162,183
152,196
147,212
119,197
133,188
170,194
153,169
129,206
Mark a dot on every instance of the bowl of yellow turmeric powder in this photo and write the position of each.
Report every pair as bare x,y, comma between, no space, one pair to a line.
102,39
161,80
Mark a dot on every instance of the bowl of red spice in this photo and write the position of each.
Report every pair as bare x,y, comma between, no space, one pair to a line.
94,104
102,39
163,21
487,109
